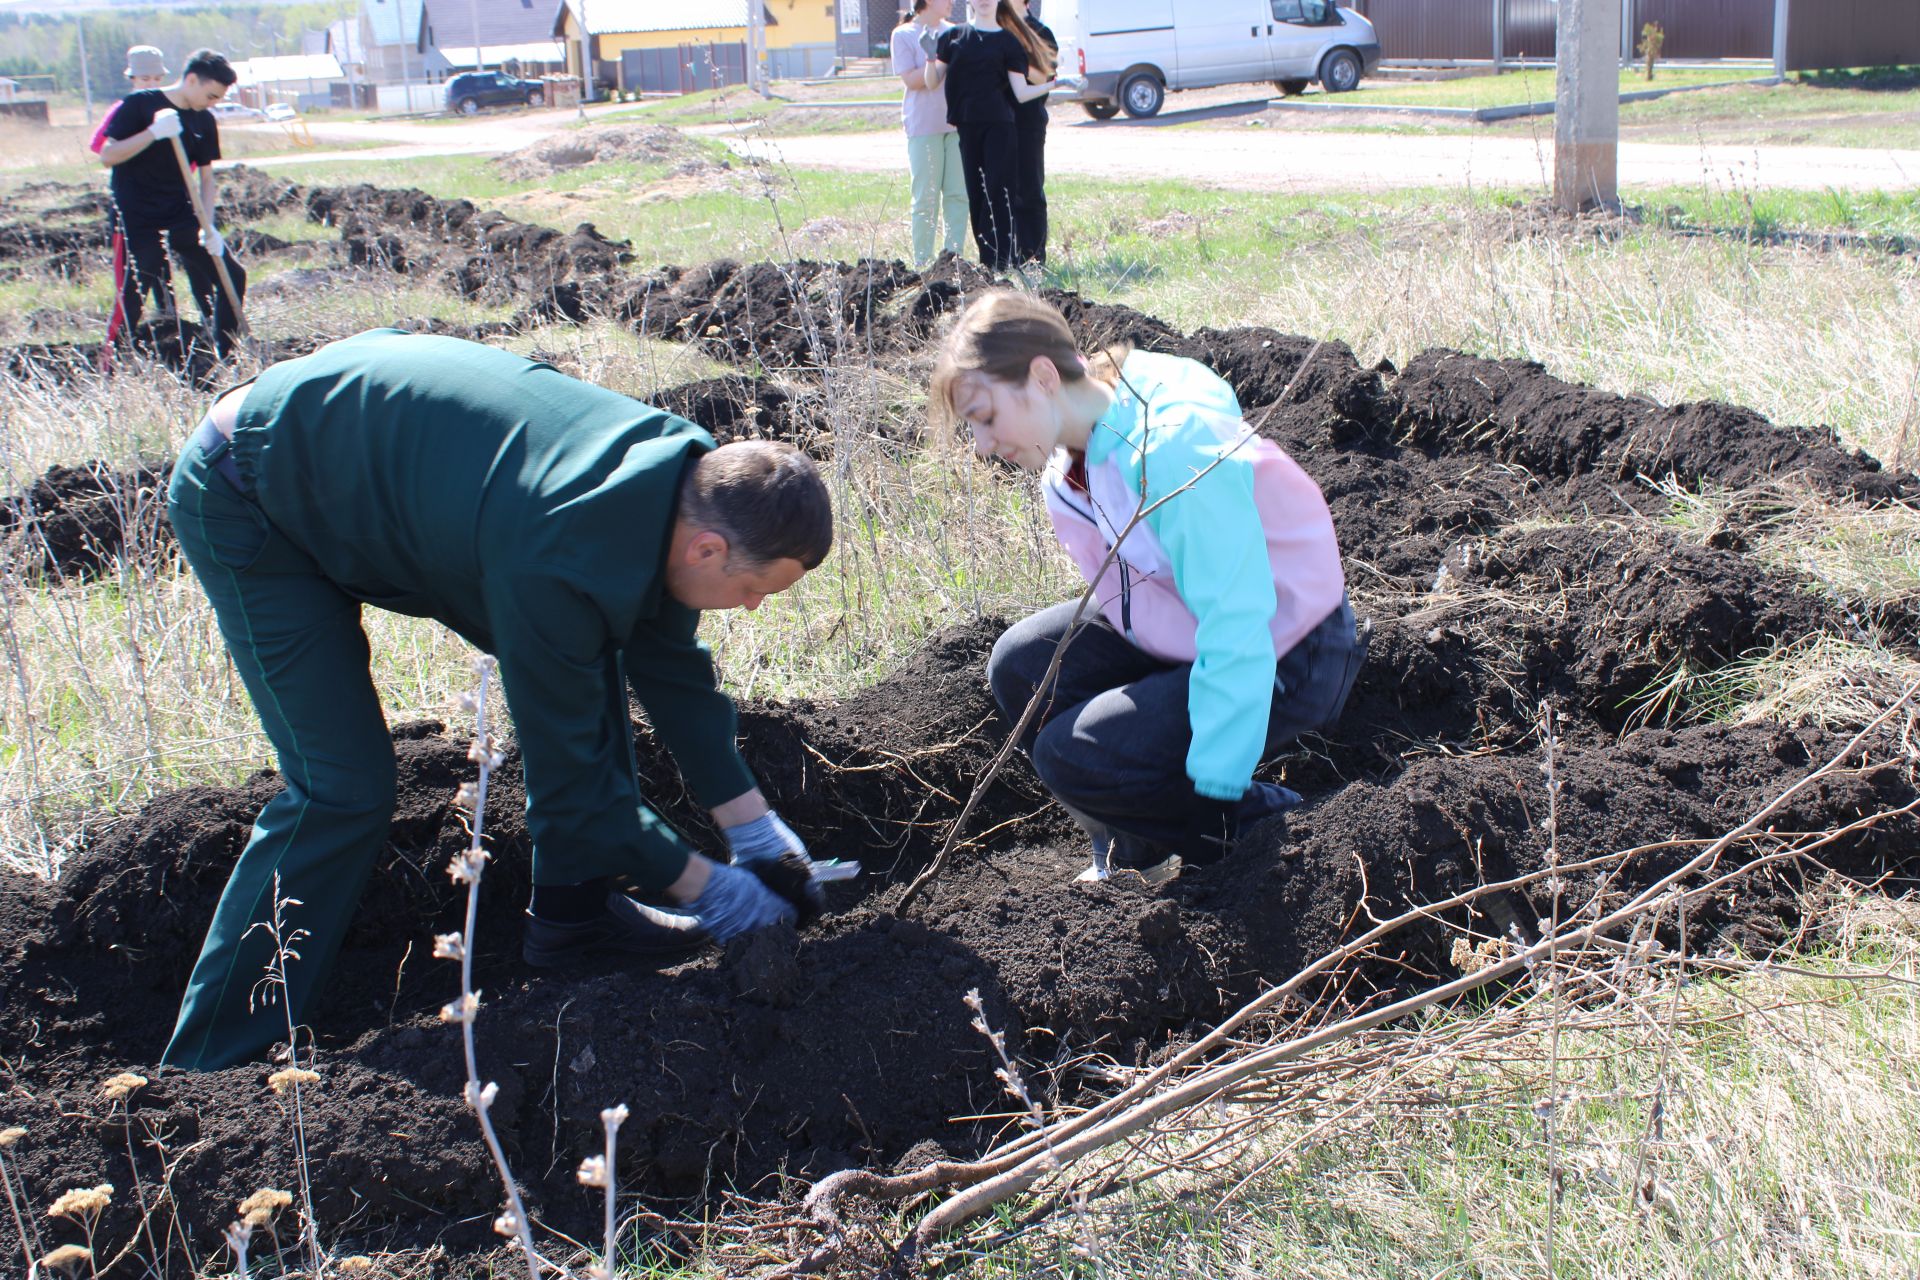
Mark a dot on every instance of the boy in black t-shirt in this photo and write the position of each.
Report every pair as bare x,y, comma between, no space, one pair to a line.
152,197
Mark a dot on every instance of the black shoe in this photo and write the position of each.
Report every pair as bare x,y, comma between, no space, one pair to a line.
625,928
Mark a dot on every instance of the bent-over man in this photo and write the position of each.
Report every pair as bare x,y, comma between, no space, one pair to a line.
570,531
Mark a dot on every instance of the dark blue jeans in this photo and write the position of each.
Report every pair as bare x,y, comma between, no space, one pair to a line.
1111,741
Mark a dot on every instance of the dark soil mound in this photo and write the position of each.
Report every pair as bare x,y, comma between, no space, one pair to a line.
74,522
737,407
849,1044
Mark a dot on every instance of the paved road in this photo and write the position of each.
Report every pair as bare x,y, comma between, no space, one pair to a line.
1216,148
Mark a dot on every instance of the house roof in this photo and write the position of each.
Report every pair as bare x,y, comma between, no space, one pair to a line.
344,43
502,22
288,67
492,55
616,17
393,21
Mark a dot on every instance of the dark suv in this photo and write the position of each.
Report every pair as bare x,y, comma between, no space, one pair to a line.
466,94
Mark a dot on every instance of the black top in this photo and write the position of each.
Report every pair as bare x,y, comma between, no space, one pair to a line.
149,188
977,65
1031,114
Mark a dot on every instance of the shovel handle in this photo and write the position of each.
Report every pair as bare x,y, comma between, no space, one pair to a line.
206,224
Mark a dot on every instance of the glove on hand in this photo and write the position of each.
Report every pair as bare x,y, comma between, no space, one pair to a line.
763,839
736,902
1211,830
930,43
213,242
791,876
166,123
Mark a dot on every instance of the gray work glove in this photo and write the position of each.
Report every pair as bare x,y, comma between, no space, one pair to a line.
735,902
213,242
763,838
930,42
166,123
768,847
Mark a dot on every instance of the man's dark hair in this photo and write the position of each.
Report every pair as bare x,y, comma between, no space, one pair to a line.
765,498
211,64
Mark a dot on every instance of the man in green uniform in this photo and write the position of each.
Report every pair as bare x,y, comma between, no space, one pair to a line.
573,533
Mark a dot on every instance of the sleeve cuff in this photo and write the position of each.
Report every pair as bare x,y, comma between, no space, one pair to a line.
1213,789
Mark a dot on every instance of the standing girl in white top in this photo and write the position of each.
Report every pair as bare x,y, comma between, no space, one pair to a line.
933,145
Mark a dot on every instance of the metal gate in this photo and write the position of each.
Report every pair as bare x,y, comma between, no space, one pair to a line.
686,68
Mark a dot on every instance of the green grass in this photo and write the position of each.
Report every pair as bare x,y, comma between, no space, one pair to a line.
1510,89
1836,112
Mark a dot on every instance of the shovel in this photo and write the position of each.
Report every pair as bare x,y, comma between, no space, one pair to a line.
201,212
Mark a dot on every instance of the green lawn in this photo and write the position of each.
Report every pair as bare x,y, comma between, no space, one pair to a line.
1515,87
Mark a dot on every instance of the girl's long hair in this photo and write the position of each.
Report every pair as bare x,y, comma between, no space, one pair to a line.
1040,60
919,7
998,335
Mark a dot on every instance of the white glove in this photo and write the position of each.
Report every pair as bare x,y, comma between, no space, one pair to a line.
212,241
166,123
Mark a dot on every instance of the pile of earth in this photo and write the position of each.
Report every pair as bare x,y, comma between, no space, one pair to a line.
604,144
72,235
849,1044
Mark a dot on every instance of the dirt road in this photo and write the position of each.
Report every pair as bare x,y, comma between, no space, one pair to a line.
1268,159
1220,152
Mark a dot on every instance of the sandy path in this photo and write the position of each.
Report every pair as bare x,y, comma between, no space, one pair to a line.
1213,152
1268,159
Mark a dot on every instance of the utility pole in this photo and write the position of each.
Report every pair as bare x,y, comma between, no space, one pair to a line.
473,11
1780,8
586,60
757,48
86,80
1499,36
1586,112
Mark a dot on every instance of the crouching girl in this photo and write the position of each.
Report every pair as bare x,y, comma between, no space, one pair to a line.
1222,630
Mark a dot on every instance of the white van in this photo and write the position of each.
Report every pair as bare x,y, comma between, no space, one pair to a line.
1131,52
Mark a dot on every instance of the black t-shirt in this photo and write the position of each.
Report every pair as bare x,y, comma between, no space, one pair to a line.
977,65
1034,113
148,188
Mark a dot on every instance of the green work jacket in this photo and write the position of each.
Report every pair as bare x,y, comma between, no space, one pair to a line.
531,513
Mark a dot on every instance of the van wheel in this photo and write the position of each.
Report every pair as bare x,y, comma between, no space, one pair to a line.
468,106
1101,110
1340,73
536,98
1142,95
1290,88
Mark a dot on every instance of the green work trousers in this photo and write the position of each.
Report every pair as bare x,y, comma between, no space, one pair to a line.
297,643
296,640
939,186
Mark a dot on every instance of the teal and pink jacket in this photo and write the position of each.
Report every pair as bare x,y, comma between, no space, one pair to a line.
1228,575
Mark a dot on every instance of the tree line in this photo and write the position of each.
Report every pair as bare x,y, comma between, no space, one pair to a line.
35,44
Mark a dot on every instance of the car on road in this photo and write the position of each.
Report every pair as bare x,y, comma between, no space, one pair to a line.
469,92
1129,54
281,112
236,111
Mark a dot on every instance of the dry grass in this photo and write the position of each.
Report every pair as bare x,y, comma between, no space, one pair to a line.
123,688
1742,1120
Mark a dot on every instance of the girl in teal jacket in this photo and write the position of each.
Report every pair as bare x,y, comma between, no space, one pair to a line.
1219,628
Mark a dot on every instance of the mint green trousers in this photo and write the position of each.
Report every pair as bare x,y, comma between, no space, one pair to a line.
939,188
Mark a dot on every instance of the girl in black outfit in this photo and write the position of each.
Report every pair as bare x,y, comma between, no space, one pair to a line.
986,76
1030,123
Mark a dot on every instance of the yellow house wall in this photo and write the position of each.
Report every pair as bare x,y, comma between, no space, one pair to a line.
613,44
800,22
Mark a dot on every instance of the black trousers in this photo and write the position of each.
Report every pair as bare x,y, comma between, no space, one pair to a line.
990,155
148,273
1030,193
